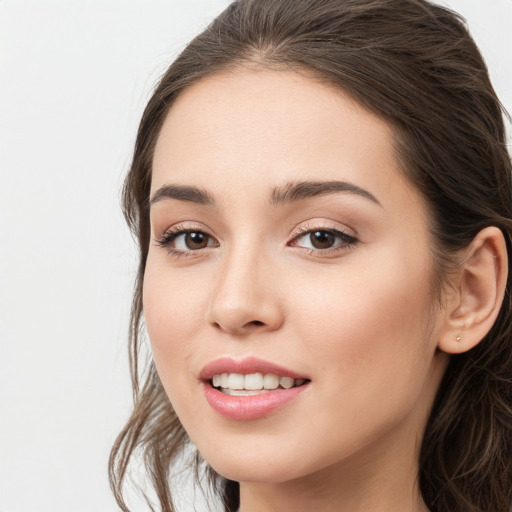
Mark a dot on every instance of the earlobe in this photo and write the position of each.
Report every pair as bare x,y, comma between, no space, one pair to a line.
478,289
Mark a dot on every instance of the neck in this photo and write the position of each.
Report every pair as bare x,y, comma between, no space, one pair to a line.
321,497
374,493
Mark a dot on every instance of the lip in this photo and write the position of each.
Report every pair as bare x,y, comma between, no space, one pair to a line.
248,407
246,366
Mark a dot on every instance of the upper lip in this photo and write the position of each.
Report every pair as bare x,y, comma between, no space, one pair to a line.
246,366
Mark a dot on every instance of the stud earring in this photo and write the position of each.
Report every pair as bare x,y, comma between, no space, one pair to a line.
458,339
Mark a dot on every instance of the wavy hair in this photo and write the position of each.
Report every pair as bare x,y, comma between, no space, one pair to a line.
414,64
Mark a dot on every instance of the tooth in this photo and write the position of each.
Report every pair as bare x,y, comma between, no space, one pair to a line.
270,381
286,382
236,381
254,381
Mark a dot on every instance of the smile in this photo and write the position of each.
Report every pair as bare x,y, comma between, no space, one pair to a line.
236,384
251,388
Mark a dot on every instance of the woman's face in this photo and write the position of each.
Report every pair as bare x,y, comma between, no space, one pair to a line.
287,246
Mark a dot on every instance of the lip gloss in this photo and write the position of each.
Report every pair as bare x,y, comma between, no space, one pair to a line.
250,407
253,406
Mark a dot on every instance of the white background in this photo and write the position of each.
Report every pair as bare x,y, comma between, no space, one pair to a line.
74,78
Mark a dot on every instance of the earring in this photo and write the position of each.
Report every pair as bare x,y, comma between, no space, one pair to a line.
458,339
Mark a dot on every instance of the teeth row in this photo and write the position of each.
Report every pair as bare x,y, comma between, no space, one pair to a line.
254,381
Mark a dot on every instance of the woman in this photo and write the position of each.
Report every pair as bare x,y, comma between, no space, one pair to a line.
321,194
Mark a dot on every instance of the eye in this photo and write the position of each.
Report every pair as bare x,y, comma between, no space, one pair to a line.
181,241
192,241
319,239
324,240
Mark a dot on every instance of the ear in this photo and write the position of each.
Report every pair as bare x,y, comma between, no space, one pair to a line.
477,292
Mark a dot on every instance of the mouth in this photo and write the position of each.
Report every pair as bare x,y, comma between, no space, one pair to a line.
238,384
251,388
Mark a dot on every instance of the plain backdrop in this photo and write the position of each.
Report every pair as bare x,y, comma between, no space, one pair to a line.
74,78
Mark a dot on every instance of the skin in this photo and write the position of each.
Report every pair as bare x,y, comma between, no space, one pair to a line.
359,319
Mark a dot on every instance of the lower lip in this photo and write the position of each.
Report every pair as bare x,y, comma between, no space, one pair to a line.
250,407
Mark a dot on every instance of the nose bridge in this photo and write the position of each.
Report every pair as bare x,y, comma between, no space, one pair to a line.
242,298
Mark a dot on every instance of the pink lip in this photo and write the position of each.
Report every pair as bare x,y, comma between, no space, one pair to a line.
248,407
246,366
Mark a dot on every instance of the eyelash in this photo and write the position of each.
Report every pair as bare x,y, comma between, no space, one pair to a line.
345,241
169,236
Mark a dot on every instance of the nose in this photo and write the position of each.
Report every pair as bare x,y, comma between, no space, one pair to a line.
245,296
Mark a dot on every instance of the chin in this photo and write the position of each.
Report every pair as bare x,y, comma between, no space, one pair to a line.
260,466
245,472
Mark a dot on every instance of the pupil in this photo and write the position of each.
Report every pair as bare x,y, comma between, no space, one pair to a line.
322,239
196,240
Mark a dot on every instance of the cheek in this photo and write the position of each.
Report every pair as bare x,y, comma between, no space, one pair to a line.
369,321
364,334
173,314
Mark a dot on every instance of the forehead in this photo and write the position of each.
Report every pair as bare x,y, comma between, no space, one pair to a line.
256,129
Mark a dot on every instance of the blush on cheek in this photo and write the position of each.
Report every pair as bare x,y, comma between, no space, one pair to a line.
367,329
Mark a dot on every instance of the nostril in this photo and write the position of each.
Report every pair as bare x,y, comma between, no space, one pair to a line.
253,323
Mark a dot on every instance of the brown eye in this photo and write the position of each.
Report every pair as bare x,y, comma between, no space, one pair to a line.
186,241
196,240
322,239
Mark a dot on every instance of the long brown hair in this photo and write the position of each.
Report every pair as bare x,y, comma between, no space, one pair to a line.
414,64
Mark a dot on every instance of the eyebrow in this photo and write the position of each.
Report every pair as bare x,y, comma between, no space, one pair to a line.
182,193
285,194
297,191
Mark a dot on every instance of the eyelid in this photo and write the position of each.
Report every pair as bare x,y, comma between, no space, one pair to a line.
184,226
321,225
